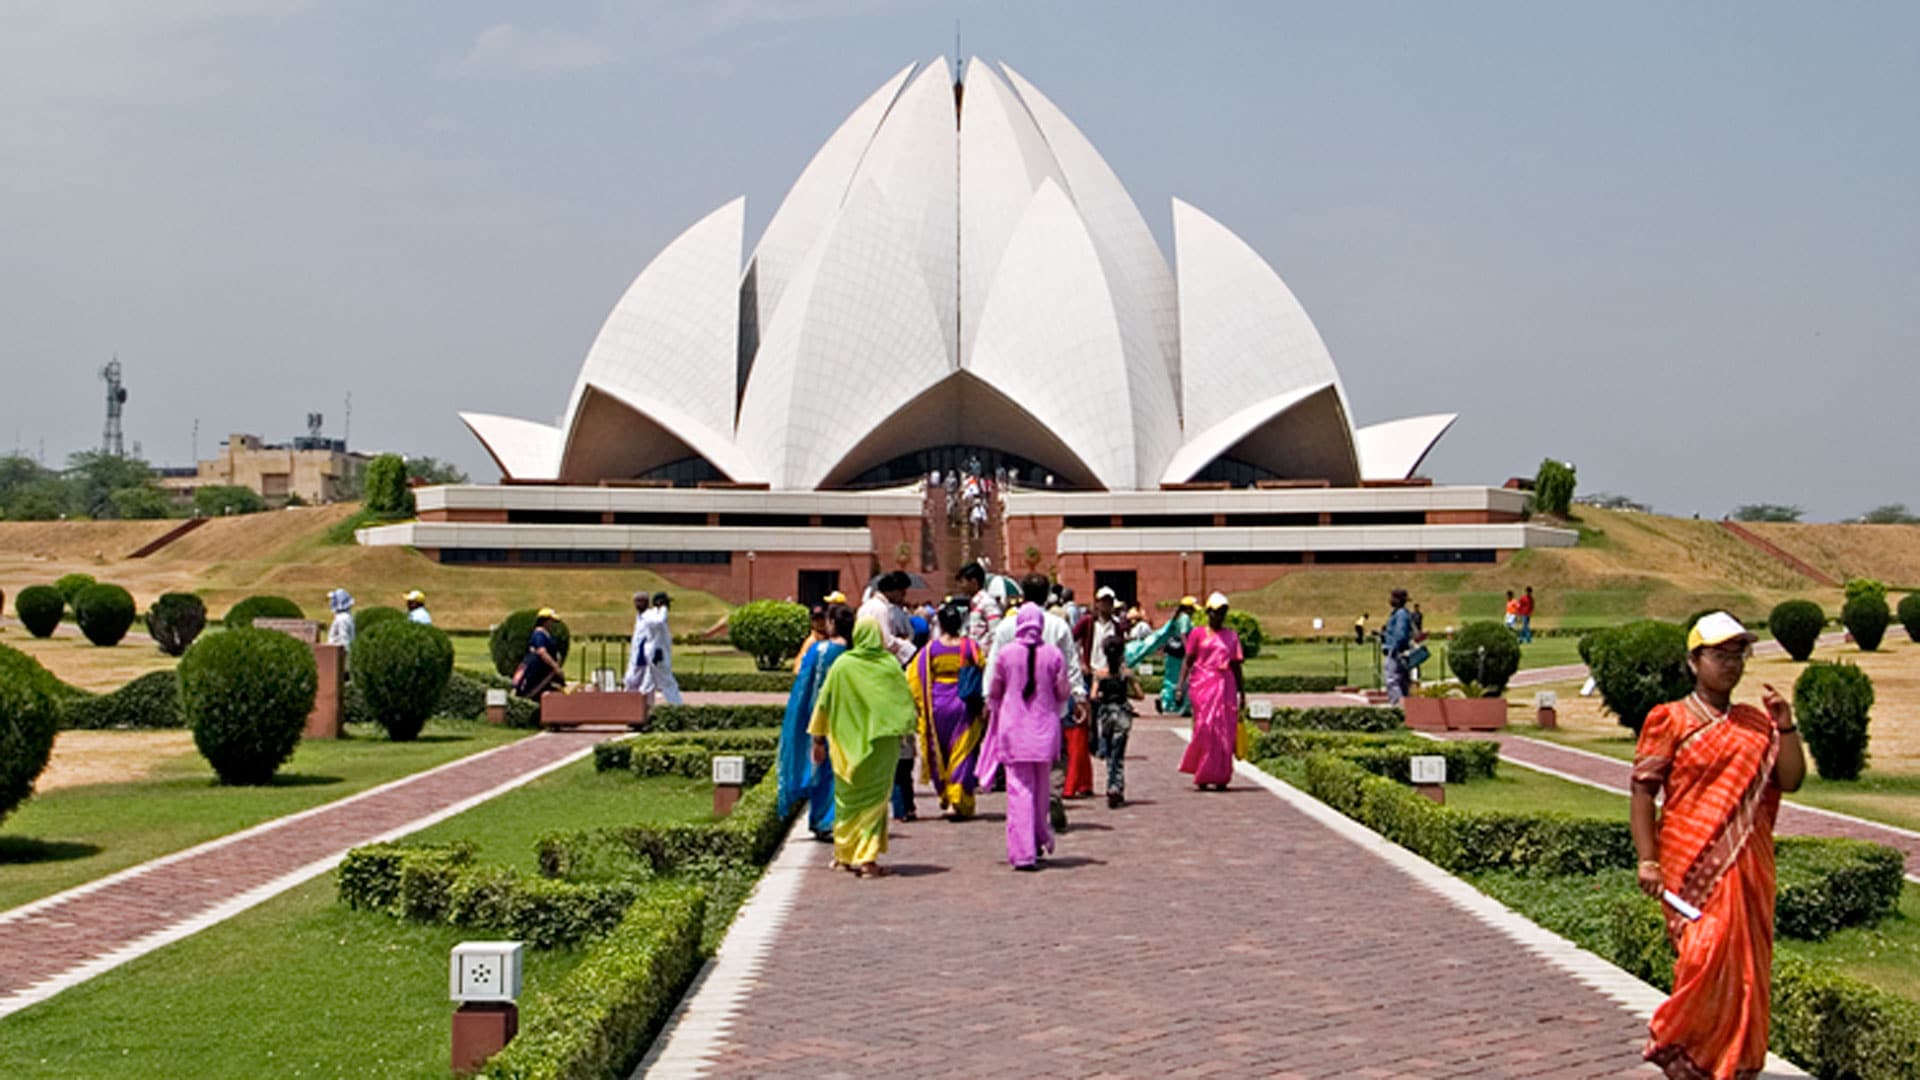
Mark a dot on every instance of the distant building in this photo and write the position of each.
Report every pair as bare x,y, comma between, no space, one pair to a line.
317,469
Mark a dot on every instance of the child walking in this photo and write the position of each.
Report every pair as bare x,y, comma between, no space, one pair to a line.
1114,691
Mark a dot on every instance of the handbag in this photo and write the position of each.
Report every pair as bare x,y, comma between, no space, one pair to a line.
1243,740
1419,656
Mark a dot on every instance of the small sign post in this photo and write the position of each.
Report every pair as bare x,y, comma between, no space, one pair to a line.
496,706
1261,713
485,979
729,779
1429,776
1546,709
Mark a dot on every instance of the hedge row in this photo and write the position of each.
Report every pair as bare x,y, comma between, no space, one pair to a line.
150,701
1342,718
1384,755
441,884
715,717
1829,1024
600,1019
767,682
748,836
630,753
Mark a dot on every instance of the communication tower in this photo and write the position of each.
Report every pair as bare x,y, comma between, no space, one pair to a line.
111,441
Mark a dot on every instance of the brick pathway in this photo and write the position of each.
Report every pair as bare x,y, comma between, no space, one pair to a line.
1187,934
1614,775
65,939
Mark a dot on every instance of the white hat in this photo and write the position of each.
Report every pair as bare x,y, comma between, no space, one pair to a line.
1718,629
1105,592
1217,600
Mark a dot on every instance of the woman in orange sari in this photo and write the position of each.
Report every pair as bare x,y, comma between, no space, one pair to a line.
1707,854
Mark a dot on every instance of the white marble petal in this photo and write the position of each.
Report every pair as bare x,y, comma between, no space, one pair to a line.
1302,433
523,449
1003,161
1394,449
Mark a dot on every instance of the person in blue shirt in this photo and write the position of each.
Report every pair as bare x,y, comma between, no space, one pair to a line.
1396,640
417,608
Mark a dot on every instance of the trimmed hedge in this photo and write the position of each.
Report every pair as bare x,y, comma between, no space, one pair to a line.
403,669
370,876
747,836
1388,756
70,586
620,755
29,720
1796,625
1342,718
1909,614
1485,654
1638,666
440,883
175,620
1832,702
368,618
1827,884
1866,618
150,701
770,631
769,682
246,695
242,614
600,1019
465,697
40,608
715,717
105,613
507,641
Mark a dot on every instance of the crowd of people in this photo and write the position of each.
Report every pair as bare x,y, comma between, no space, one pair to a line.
1005,685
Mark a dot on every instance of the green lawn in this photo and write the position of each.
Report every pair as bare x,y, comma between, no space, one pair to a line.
1887,955
73,835
301,986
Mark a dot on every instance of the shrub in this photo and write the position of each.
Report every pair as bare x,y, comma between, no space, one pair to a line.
39,608
105,613
1831,702
386,486
748,836
402,669
242,614
1909,612
508,642
1836,1026
599,1020
544,913
175,620
715,717
1553,488
370,875
1383,754
1640,665
1865,586
1796,625
246,695
1248,628
1827,884
150,701
770,631
220,500
618,755
465,697
1341,718
1866,618
1485,654
772,682
69,586
29,720
366,619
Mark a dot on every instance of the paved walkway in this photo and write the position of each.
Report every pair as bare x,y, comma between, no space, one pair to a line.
1186,934
1560,673
1587,767
65,939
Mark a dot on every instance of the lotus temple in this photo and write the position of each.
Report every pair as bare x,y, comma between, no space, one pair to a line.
957,282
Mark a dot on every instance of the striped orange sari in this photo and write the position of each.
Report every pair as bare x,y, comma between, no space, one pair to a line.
1716,853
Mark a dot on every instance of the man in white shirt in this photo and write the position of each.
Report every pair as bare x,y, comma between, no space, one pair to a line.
885,605
637,655
659,643
1055,632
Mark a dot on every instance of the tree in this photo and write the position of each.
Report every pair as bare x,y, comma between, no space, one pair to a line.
147,501
43,500
93,478
1553,488
430,470
219,500
19,473
1766,512
387,492
1890,514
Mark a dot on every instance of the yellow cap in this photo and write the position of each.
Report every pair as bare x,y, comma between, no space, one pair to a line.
1190,601
834,597
545,613
417,595
1718,629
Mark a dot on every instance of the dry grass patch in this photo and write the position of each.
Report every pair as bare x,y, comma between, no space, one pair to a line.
78,662
1888,552
110,757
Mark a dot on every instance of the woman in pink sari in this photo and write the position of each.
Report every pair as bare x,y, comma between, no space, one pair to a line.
1027,691
1211,681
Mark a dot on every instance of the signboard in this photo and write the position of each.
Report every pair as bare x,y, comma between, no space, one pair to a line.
1260,710
1428,768
1546,699
730,770
299,629
485,971
496,699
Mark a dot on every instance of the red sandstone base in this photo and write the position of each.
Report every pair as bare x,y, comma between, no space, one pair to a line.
725,796
482,1029
325,720
593,707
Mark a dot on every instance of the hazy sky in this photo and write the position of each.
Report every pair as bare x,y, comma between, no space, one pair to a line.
1678,245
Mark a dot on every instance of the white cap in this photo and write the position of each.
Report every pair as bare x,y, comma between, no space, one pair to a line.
1217,600
1718,629
1105,592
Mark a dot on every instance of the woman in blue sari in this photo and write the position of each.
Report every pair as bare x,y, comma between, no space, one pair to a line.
799,778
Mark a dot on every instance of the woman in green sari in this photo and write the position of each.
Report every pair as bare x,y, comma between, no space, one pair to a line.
863,709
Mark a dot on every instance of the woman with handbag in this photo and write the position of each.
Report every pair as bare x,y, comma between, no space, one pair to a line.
947,680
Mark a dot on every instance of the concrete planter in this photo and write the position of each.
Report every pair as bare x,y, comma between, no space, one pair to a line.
1476,714
1425,713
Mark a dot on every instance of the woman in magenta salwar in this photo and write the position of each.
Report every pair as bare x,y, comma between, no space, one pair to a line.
1211,681
1027,691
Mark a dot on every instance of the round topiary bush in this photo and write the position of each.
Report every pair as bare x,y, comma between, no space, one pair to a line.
246,695
1796,625
1909,612
69,587
770,631
39,608
1248,628
175,620
1830,704
507,644
105,613
1485,654
1866,618
242,614
29,719
1640,665
367,619
402,669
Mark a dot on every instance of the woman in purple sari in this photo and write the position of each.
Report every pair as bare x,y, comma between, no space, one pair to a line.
946,680
1212,682
1027,693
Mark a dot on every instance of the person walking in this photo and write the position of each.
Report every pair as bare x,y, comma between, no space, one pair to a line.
1524,608
417,608
542,670
862,710
1055,632
886,606
1513,612
984,609
1396,641
637,648
1114,692
1717,769
947,678
818,630
341,631
659,674
1097,624
1170,640
1027,687
1213,680
799,778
